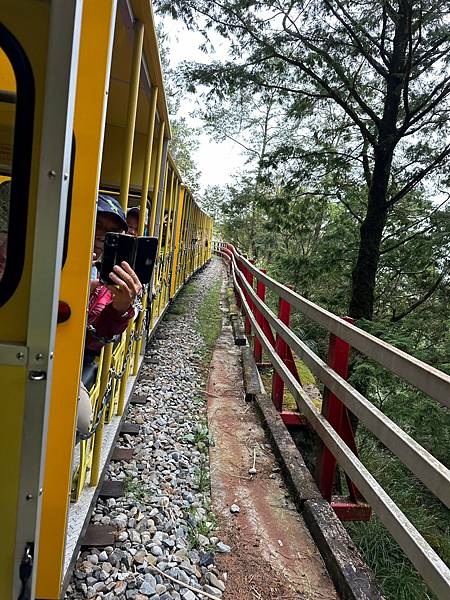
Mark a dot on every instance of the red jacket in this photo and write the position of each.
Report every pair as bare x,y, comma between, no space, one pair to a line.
105,319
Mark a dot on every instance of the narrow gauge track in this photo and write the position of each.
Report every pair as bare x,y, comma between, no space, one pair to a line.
164,517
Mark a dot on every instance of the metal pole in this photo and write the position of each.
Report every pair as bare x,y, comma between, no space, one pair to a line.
337,415
148,160
98,439
142,214
160,166
131,113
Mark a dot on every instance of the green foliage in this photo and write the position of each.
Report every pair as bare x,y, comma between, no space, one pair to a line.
396,575
200,525
136,489
210,321
312,100
183,143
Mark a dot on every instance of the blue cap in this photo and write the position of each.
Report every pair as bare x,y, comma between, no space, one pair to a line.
110,205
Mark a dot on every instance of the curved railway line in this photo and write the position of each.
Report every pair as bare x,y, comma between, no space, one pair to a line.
83,111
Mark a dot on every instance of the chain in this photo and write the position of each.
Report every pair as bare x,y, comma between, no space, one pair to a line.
138,336
117,374
107,397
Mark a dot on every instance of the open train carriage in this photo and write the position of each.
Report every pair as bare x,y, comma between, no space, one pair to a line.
82,108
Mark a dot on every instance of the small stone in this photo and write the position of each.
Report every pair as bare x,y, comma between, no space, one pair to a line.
147,588
139,557
120,587
156,550
151,579
216,582
121,521
80,575
103,556
213,591
234,508
134,536
188,595
206,559
221,547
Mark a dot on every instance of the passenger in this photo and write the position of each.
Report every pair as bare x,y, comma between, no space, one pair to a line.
110,306
133,220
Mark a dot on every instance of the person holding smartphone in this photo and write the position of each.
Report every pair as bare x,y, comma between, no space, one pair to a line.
110,306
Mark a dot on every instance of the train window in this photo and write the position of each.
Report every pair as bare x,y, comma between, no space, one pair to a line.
16,137
7,120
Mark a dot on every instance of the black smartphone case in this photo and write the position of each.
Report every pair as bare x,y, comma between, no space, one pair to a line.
139,253
144,262
118,247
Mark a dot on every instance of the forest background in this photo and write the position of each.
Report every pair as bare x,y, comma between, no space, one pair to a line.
342,111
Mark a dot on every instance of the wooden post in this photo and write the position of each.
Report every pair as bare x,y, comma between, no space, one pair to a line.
261,293
284,314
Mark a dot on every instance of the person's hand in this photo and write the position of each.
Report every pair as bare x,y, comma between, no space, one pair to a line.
94,283
127,287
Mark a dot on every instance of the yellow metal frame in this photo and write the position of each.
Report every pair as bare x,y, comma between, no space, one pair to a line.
89,118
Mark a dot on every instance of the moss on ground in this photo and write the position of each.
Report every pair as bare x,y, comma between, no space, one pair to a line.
210,320
306,377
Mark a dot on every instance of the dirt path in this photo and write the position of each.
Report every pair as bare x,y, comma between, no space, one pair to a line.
272,554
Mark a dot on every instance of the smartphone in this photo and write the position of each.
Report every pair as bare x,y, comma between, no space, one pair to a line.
144,261
138,252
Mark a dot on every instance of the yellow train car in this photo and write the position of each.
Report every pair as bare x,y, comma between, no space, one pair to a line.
82,109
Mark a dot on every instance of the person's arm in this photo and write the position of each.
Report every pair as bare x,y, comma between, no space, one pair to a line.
113,319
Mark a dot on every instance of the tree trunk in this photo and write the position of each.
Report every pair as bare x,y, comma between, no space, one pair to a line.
364,273
371,231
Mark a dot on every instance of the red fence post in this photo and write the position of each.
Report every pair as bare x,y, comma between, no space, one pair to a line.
337,415
281,348
236,292
249,277
261,293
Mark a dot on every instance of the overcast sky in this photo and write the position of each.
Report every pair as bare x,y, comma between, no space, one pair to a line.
218,162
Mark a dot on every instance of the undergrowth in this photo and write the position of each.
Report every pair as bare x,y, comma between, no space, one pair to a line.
209,325
397,576
209,321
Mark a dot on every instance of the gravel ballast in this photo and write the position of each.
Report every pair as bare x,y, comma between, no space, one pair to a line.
165,527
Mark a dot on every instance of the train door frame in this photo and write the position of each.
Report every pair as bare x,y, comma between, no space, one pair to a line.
97,32
53,186
51,165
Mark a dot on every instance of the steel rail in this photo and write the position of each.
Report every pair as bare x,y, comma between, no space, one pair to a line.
433,570
418,460
422,376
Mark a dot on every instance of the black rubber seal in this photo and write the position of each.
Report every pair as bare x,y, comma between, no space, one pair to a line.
21,163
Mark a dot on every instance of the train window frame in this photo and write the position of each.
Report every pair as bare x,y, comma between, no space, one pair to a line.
21,163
